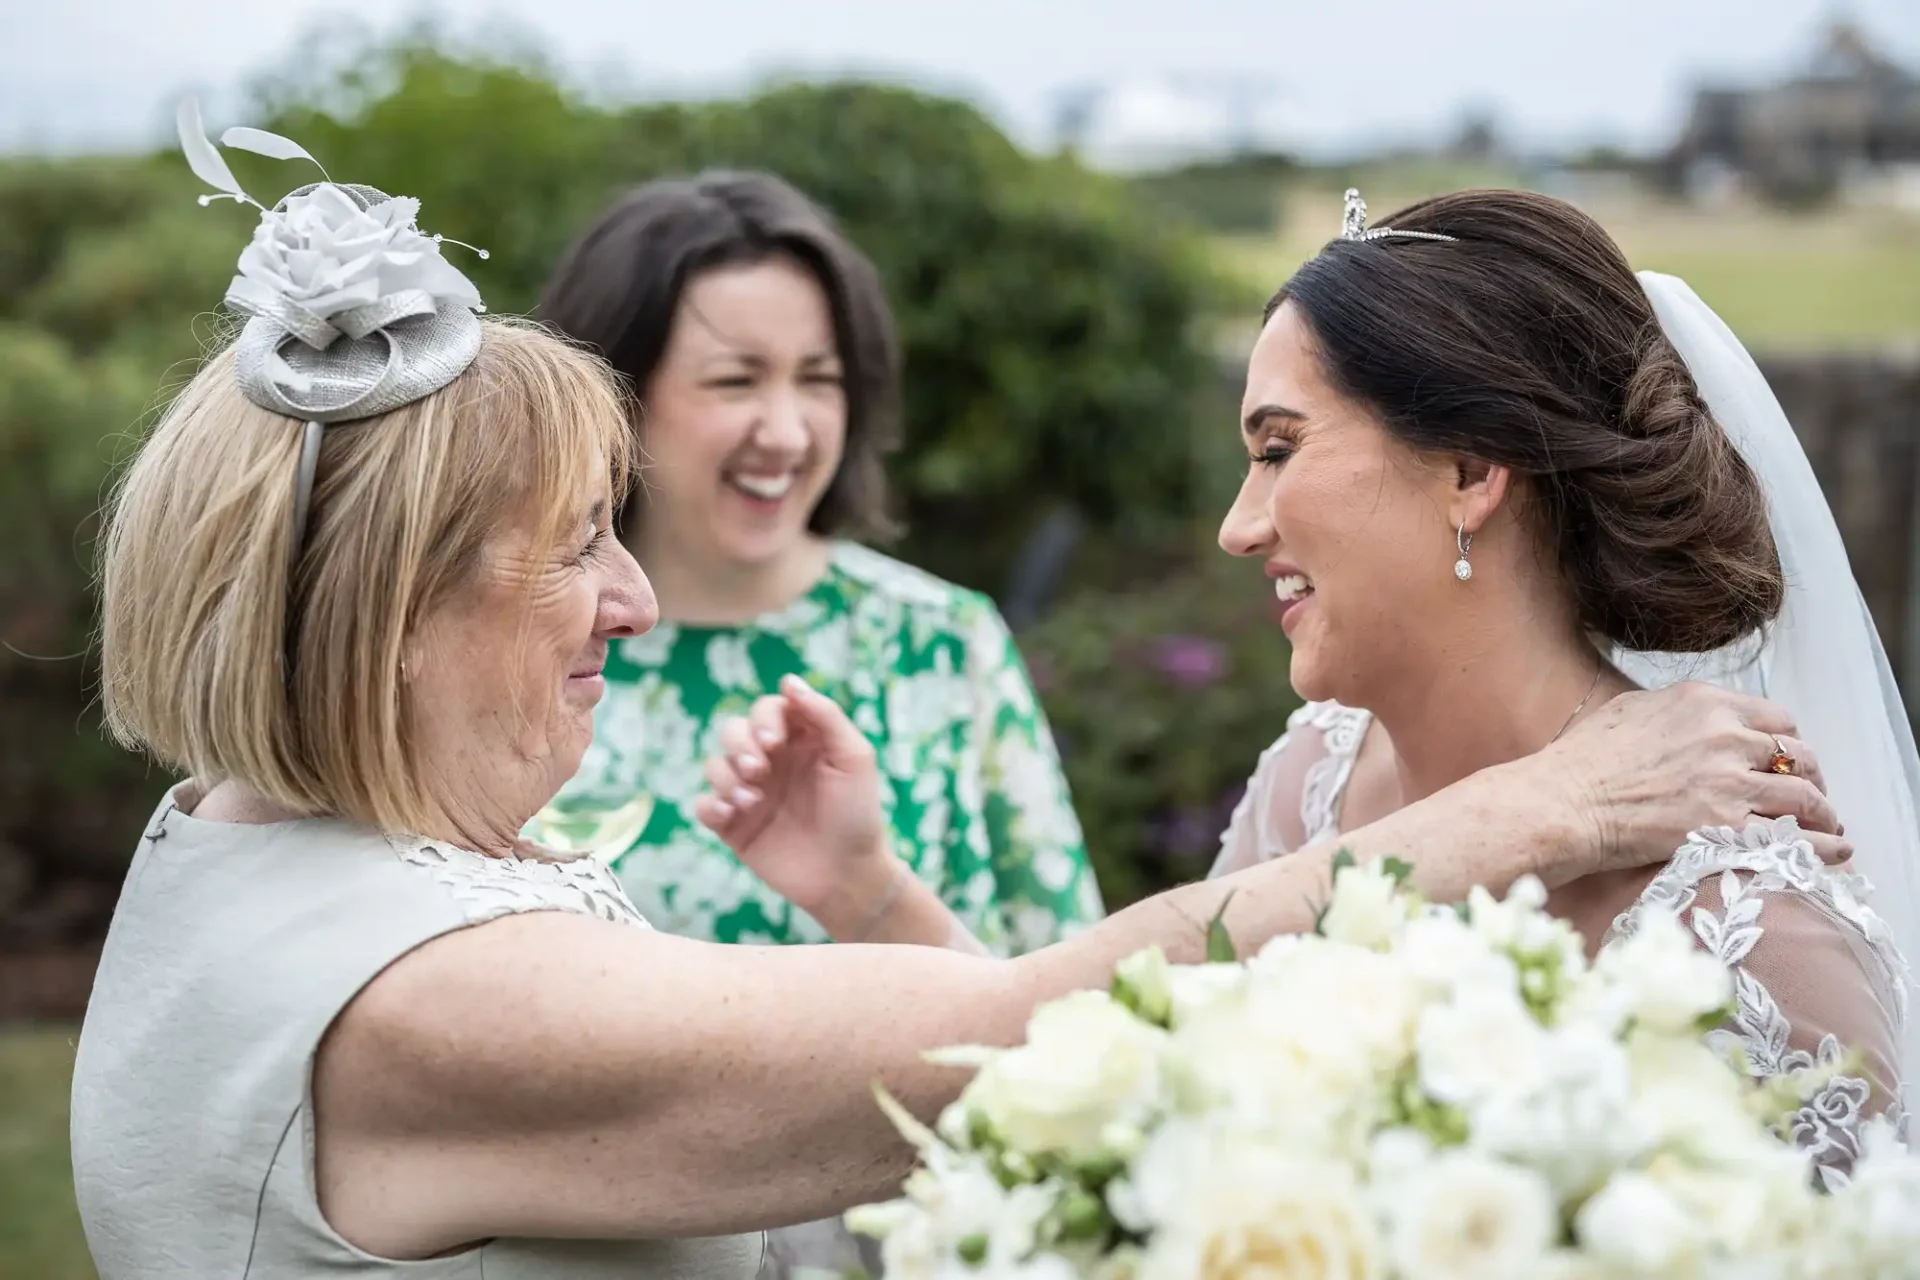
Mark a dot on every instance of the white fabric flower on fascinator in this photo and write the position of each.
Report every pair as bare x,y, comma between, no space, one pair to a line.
353,310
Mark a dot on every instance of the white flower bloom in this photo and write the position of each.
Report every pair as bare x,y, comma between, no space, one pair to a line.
1088,1064
1686,1098
1742,1209
1520,922
1227,1207
953,1202
1395,1156
1484,1041
1366,908
1305,1051
1574,1124
1657,978
1195,988
1465,1217
1444,953
1635,1226
326,254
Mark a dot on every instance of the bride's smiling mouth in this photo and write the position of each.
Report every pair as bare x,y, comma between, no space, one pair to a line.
1294,590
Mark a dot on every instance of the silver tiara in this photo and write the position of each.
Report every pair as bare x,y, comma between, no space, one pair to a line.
1353,225
352,311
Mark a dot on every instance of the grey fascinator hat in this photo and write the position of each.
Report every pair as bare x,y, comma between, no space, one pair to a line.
352,311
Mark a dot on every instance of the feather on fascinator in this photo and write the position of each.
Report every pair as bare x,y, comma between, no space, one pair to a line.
352,311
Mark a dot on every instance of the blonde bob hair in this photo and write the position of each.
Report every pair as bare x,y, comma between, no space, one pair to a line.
226,662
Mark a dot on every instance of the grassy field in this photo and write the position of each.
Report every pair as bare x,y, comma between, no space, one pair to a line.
39,1227
1834,280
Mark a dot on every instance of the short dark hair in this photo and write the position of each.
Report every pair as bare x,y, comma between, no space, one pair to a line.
618,286
1530,344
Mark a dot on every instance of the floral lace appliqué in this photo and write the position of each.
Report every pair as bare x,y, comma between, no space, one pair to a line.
1342,730
488,888
1772,857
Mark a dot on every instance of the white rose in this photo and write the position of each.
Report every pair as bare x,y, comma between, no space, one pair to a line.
327,255
1481,1042
1227,1207
1687,1099
1635,1226
1198,987
1742,1209
1396,1155
1305,1052
1520,923
1444,953
1366,908
1465,1217
1088,1066
1574,1125
1658,978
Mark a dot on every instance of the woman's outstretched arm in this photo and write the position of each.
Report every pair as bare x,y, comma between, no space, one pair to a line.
1643,773
550,1075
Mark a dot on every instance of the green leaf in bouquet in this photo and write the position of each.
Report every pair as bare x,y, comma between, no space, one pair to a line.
1342,859
1444,1125
1397,870
1097,1171
972,1249
1220,948
1712,1019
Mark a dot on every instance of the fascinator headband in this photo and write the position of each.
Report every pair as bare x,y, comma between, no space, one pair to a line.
352,311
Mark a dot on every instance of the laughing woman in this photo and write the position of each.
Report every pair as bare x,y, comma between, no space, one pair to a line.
760,348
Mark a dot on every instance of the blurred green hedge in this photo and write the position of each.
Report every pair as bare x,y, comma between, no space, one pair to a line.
1162,696
1055,357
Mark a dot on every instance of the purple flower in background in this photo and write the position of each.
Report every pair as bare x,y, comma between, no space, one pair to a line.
1189,660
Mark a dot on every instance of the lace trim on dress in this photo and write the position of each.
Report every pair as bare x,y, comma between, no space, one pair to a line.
1772,857
488,888
1342,729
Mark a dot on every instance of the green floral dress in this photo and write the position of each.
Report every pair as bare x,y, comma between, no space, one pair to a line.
971,782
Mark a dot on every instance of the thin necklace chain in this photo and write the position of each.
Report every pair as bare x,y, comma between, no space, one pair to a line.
1577,710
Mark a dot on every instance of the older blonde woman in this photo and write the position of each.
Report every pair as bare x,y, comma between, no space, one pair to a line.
359,586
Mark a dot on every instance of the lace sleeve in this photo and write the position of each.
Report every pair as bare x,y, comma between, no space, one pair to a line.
1298,776
1816,978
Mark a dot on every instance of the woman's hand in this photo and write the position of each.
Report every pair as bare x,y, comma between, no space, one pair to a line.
796,794
1649,768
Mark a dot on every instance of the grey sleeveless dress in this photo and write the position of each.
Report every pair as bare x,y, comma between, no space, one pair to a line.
232,949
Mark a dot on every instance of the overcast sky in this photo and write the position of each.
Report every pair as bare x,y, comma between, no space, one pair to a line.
78,74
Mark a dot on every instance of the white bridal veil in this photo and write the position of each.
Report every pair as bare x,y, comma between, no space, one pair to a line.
1823,659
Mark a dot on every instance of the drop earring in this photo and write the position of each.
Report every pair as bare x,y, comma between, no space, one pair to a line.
1463,567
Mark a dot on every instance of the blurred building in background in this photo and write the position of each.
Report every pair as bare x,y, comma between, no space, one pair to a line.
1849,124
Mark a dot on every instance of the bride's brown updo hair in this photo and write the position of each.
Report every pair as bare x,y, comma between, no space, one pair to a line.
1529,343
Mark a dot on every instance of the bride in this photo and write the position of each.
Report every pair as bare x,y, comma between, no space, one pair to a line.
1497,481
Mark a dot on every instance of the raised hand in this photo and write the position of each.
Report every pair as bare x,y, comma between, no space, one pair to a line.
796,794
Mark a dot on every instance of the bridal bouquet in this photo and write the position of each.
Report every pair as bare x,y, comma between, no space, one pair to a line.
1412,1091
